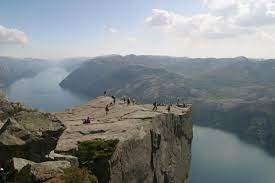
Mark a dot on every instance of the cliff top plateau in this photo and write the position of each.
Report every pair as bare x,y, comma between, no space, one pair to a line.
123,122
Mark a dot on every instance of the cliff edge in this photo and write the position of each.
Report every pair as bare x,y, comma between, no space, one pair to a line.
131,143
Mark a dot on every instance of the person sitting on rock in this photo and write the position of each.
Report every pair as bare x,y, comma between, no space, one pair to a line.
107,109
155,108
87,121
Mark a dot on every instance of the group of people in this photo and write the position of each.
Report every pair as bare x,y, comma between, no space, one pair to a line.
155,107
127,101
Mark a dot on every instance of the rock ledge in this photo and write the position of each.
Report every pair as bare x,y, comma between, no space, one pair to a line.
154,146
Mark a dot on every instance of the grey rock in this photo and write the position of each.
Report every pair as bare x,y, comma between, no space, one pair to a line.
2,114
19,163
154,146
29,135
42,172
60,157
1,124
9,109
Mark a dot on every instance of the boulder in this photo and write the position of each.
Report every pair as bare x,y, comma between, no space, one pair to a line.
2,114
9,109
5,108
30,135
1,124
19,163
60,157
42,172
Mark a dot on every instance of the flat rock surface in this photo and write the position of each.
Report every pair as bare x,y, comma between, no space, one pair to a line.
122,122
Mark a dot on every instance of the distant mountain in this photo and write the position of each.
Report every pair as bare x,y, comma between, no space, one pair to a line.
12,69
120,78
205,78
70,64
243,73
233,94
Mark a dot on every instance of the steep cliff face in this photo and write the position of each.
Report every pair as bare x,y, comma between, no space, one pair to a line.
150,146
161,155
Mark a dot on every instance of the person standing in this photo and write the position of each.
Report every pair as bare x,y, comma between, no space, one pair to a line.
107,109
114,99
128,101
169,108
155,108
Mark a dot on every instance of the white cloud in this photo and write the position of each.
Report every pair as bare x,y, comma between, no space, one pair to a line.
111,30
131,39
217,5
267,36
225,18
245,12
160,18
12,36
200,25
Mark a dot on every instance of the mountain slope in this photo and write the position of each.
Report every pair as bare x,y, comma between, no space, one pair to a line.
12,69
119,78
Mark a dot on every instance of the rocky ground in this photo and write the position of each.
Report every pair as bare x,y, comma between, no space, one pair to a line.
25,133
131,143
153,146
123,121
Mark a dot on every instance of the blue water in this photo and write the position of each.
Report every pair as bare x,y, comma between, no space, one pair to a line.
43,91
220,157
217,156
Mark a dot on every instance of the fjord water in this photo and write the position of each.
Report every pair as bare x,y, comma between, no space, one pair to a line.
220,157
217,156
43,91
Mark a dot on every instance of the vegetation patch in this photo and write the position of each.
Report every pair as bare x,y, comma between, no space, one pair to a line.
77,175
95,156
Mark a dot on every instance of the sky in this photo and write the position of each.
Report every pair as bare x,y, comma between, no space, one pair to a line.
85,28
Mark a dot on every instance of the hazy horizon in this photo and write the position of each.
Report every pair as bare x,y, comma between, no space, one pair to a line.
92,57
